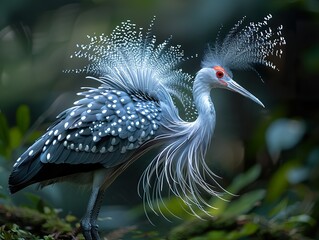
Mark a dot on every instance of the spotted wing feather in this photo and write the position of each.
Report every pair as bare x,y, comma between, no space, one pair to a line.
102,130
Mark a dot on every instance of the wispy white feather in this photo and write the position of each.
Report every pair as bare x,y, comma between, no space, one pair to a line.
242,48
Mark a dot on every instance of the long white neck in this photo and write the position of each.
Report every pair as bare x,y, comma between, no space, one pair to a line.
202,100
206,111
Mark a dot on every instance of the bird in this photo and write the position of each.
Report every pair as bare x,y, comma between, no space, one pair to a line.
134,110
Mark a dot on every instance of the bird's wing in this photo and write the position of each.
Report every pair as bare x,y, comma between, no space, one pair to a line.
104,127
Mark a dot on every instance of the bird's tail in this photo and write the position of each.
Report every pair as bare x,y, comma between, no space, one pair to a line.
26,167
21,177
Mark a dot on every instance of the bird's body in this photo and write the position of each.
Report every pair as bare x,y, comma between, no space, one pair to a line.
133,111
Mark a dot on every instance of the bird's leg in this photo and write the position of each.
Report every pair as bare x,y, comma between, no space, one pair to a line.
95,213
88,223
101,180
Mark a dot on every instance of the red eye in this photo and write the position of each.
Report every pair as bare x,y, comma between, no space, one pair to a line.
219,74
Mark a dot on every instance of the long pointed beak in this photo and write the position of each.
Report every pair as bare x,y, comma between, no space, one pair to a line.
232,85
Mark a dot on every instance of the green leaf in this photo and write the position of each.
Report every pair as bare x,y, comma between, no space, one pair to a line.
237,184
278,184
244,179
173,205
248,229
15,137
189,229
278,208
244,204
294,221
23,118
70,218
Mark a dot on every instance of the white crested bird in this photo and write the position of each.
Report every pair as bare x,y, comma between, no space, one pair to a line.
133,111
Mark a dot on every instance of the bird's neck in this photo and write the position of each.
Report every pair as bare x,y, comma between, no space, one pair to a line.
205,107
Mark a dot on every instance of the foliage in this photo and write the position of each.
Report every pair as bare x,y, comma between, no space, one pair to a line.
241,218
33,224
13,137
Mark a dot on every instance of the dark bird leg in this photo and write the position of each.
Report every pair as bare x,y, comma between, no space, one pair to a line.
101,180
89,221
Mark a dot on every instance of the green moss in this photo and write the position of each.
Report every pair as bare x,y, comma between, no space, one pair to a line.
27,223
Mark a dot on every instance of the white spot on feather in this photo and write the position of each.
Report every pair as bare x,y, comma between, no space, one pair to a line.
93,149
102,150
87,148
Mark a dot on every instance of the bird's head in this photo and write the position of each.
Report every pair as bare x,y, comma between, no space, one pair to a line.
218,77
241,49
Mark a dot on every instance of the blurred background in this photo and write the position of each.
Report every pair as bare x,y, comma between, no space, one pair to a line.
281,140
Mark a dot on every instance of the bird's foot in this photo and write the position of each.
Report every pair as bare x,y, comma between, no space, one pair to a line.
90,231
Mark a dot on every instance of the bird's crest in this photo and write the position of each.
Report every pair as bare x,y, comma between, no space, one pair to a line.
244,47
134,61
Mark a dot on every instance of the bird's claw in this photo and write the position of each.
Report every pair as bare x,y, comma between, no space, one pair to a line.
90,231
